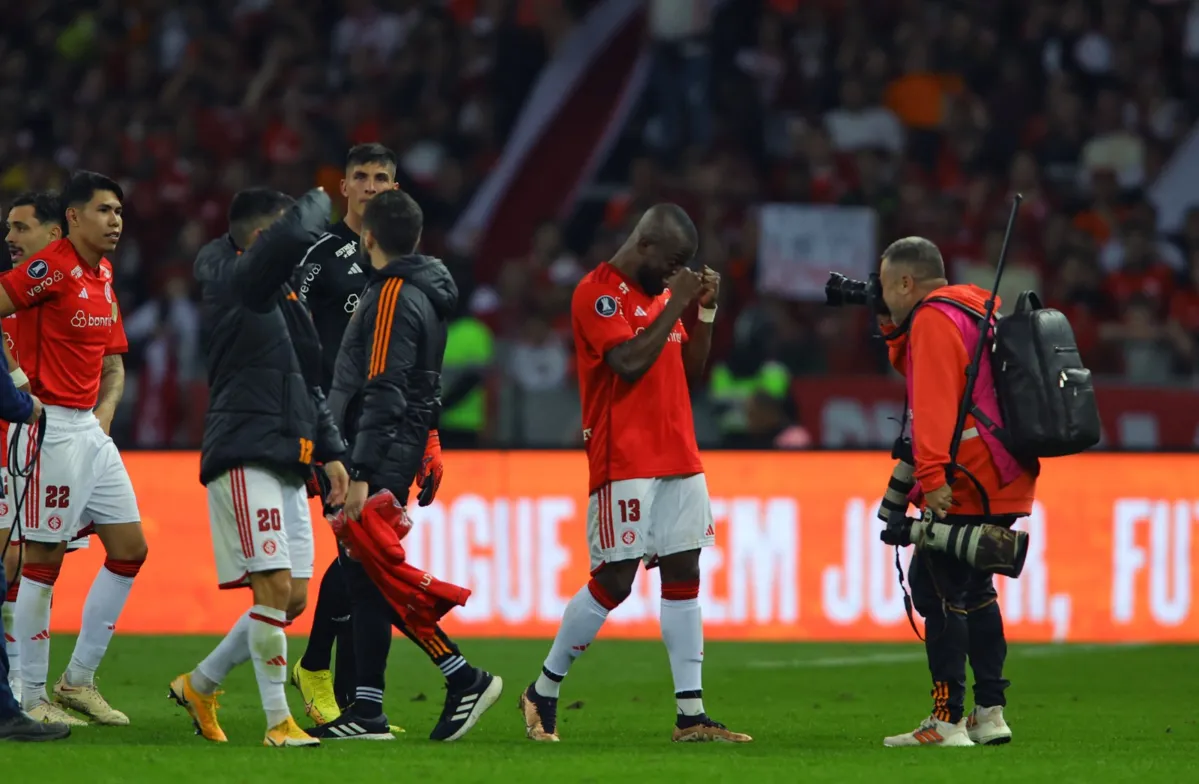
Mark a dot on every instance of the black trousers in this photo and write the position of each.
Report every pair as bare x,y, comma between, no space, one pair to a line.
962,622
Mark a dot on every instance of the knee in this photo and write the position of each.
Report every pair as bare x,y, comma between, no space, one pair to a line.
272,589
124,542
43,554
680,568
613,583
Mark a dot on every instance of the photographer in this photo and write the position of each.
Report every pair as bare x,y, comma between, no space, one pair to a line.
930,340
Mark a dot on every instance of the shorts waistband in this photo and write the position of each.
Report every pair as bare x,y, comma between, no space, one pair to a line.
62,418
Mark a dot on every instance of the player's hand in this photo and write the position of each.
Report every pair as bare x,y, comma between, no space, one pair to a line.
105,417
355,500
685,285
710,289
939,500
428,476
339,482
37,412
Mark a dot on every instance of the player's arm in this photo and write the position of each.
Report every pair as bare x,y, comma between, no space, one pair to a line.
271,260
309,279
112,387
634,357
329,444
397,325
699,340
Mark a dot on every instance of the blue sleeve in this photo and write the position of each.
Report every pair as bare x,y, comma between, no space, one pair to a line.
15,405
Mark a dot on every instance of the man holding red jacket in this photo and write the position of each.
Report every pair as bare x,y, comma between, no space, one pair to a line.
386,398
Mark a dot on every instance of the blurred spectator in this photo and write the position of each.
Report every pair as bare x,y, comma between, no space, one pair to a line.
856,125
748,372
469,356
539,359
682,59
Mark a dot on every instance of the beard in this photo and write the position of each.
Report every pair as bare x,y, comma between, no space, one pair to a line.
650,283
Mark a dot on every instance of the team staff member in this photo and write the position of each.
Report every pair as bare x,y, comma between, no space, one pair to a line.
330,279
267,422
386,397
930,350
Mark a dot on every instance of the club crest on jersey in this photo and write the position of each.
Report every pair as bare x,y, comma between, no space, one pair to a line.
606,305
38,269
108,291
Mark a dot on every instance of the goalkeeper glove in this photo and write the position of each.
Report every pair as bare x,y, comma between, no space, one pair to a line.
428,478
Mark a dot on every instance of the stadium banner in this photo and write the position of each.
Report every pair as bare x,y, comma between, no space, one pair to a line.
1113,556
860,412
800,243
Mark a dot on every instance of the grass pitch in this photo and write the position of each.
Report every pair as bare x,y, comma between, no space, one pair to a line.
817,713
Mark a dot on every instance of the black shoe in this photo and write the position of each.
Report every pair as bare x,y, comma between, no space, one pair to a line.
21,728
464,708
349,726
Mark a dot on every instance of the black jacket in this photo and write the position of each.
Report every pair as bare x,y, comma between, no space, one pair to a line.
330,281
387,387
263,355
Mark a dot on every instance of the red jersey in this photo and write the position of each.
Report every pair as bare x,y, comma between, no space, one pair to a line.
639,430
73,322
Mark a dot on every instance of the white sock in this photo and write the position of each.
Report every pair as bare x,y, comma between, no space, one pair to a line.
31,627
233,650
683,633
11,644
101,610
580,623
268,649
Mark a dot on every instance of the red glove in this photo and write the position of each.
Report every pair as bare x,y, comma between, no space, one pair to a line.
428,477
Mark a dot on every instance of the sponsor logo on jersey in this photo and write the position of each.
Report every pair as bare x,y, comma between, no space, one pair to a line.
37,269
355,269
83,294
347,250
351,303
606,305
45,284
639,311
81,320
77,272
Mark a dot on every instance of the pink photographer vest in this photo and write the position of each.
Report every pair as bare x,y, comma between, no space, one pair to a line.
984,398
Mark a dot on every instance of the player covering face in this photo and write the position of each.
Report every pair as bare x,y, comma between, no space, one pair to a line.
648,496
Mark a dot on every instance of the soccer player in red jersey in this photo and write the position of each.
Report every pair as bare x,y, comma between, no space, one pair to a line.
648,496
34,221
78,479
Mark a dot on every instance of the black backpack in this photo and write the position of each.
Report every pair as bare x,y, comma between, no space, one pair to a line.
1045,393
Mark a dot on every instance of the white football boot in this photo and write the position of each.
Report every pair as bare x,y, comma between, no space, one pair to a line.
932,732
986,726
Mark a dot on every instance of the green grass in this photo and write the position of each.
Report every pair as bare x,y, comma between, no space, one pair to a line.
817,712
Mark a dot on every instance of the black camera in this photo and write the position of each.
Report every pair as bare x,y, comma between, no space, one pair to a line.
841,290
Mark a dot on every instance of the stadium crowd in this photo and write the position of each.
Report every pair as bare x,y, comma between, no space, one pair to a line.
931,113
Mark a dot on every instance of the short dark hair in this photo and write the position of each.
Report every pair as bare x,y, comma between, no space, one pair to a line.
83,185
252,208
372,152
47,207
395,220
667,218
918,254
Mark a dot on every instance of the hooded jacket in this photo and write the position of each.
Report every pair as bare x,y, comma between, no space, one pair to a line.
386,392
263,356
934,355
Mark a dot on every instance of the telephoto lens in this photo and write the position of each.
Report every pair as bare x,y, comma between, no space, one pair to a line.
894,507
986,547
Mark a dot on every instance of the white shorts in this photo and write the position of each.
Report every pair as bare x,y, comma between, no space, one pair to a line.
8,505
649,519
260,523
78,480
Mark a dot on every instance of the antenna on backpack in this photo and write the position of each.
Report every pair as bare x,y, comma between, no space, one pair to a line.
972,369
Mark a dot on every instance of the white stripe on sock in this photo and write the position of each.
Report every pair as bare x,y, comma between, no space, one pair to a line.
451,666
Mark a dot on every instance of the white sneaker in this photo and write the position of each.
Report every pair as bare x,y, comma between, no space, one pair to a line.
88,701
48,713
932,732
987,727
